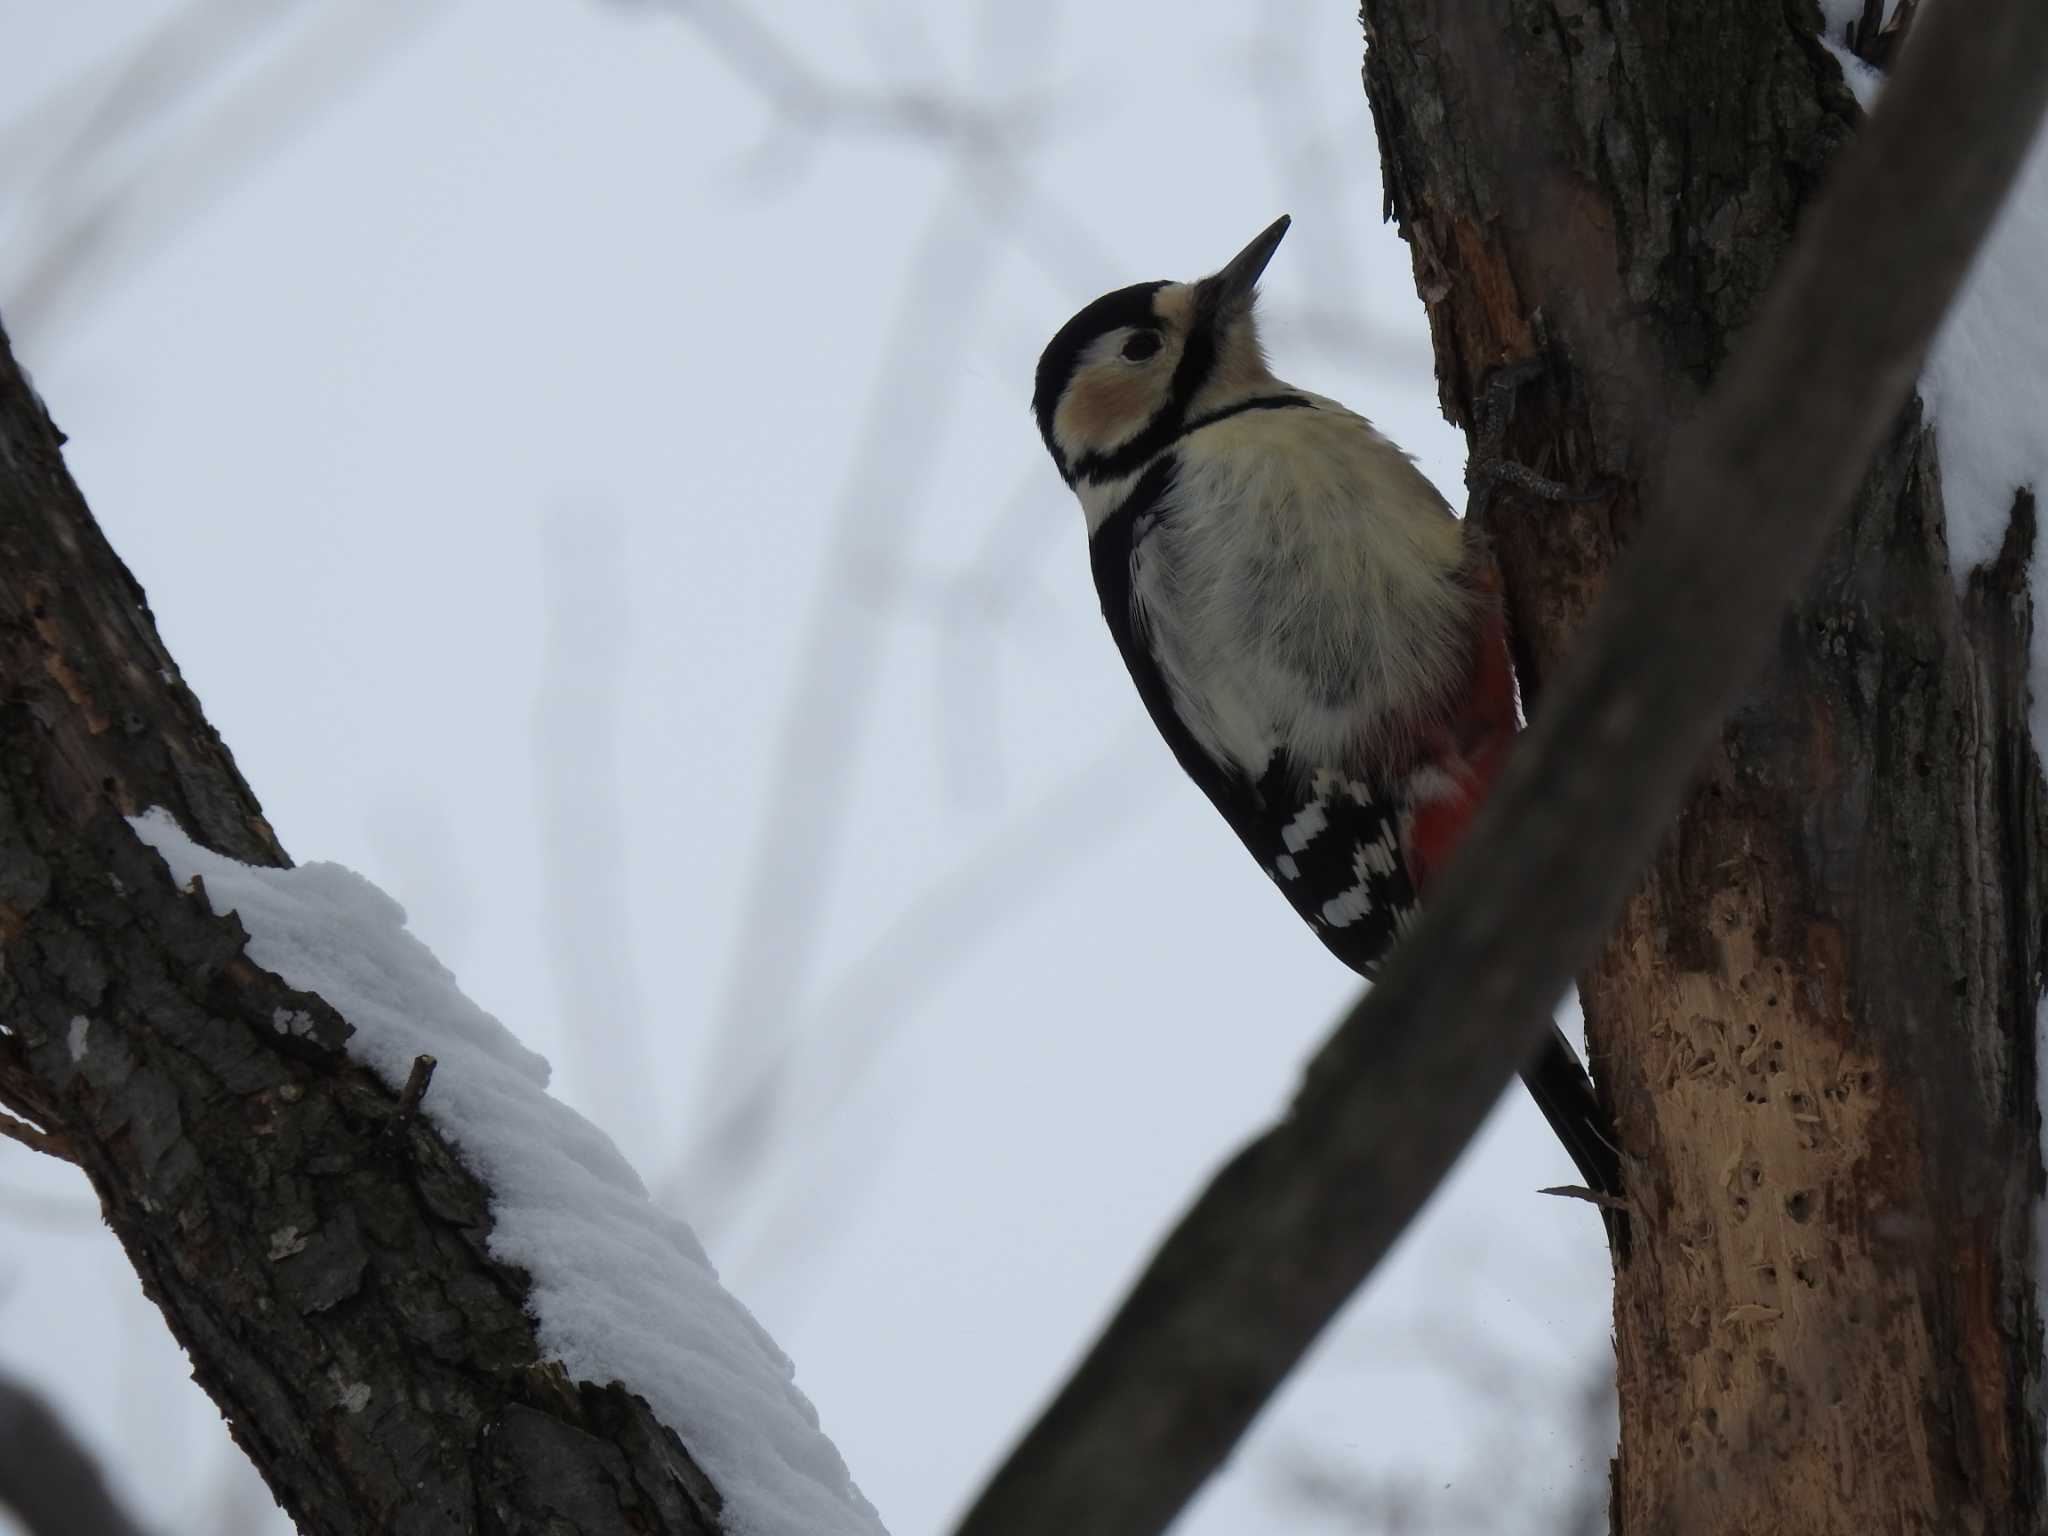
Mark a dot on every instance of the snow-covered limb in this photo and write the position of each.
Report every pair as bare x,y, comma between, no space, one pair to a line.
403,1335
621,1290
1985,384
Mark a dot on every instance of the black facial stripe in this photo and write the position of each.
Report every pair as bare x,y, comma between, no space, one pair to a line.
1113,311
1198,356
1197,362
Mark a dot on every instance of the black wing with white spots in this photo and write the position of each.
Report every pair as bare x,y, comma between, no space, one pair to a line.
1332,844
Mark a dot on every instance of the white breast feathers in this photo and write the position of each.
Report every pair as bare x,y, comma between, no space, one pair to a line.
1302,590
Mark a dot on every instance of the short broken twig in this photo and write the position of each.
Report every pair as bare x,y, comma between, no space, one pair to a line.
416,1083
1590,1196
49,1143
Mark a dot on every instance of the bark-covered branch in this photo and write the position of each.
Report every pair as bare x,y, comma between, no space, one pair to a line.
320,1255
1738,513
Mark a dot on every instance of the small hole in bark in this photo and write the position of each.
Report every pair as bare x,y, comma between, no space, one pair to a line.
1741,1208
1768,1273
1753,1175
1799,1206
1867,1081
1806,1275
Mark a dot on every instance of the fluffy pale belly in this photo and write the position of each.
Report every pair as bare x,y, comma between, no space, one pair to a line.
1287,631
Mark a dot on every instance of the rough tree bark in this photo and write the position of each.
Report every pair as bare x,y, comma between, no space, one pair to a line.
1816,1023
320,1255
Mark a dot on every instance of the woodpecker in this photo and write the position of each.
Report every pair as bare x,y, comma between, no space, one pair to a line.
1317,636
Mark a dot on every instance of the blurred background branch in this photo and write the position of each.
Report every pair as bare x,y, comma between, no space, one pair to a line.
48,1478
166,128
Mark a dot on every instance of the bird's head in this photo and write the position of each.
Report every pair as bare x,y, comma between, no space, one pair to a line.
1125,375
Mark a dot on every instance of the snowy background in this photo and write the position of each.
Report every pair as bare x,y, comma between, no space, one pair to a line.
578,452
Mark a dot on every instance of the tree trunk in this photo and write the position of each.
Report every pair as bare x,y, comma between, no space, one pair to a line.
1816,1024
320,1254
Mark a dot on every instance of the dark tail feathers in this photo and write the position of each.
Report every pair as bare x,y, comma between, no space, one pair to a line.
1563,1091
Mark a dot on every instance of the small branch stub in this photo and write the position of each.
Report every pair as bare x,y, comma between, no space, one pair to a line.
1590,1196
415,1089
49,1143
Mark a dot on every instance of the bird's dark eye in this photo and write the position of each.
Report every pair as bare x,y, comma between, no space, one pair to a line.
1141,345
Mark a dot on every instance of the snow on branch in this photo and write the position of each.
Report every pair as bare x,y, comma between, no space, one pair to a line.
1985,384
621,1290
438,1308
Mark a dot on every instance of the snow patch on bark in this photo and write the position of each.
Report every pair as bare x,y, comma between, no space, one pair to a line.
1985,382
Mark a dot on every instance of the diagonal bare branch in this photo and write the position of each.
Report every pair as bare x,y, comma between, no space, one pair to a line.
1742,507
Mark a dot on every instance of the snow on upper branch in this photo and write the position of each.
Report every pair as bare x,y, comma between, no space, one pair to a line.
1985,382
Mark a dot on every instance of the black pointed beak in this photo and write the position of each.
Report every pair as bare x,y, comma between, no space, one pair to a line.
1233,285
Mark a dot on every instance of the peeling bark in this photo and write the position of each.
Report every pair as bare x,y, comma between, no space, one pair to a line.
321,1256
1815,1024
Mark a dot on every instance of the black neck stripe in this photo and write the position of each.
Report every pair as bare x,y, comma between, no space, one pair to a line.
1256,403
1168,428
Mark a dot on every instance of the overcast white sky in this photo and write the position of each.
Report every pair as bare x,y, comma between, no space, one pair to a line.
526,433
